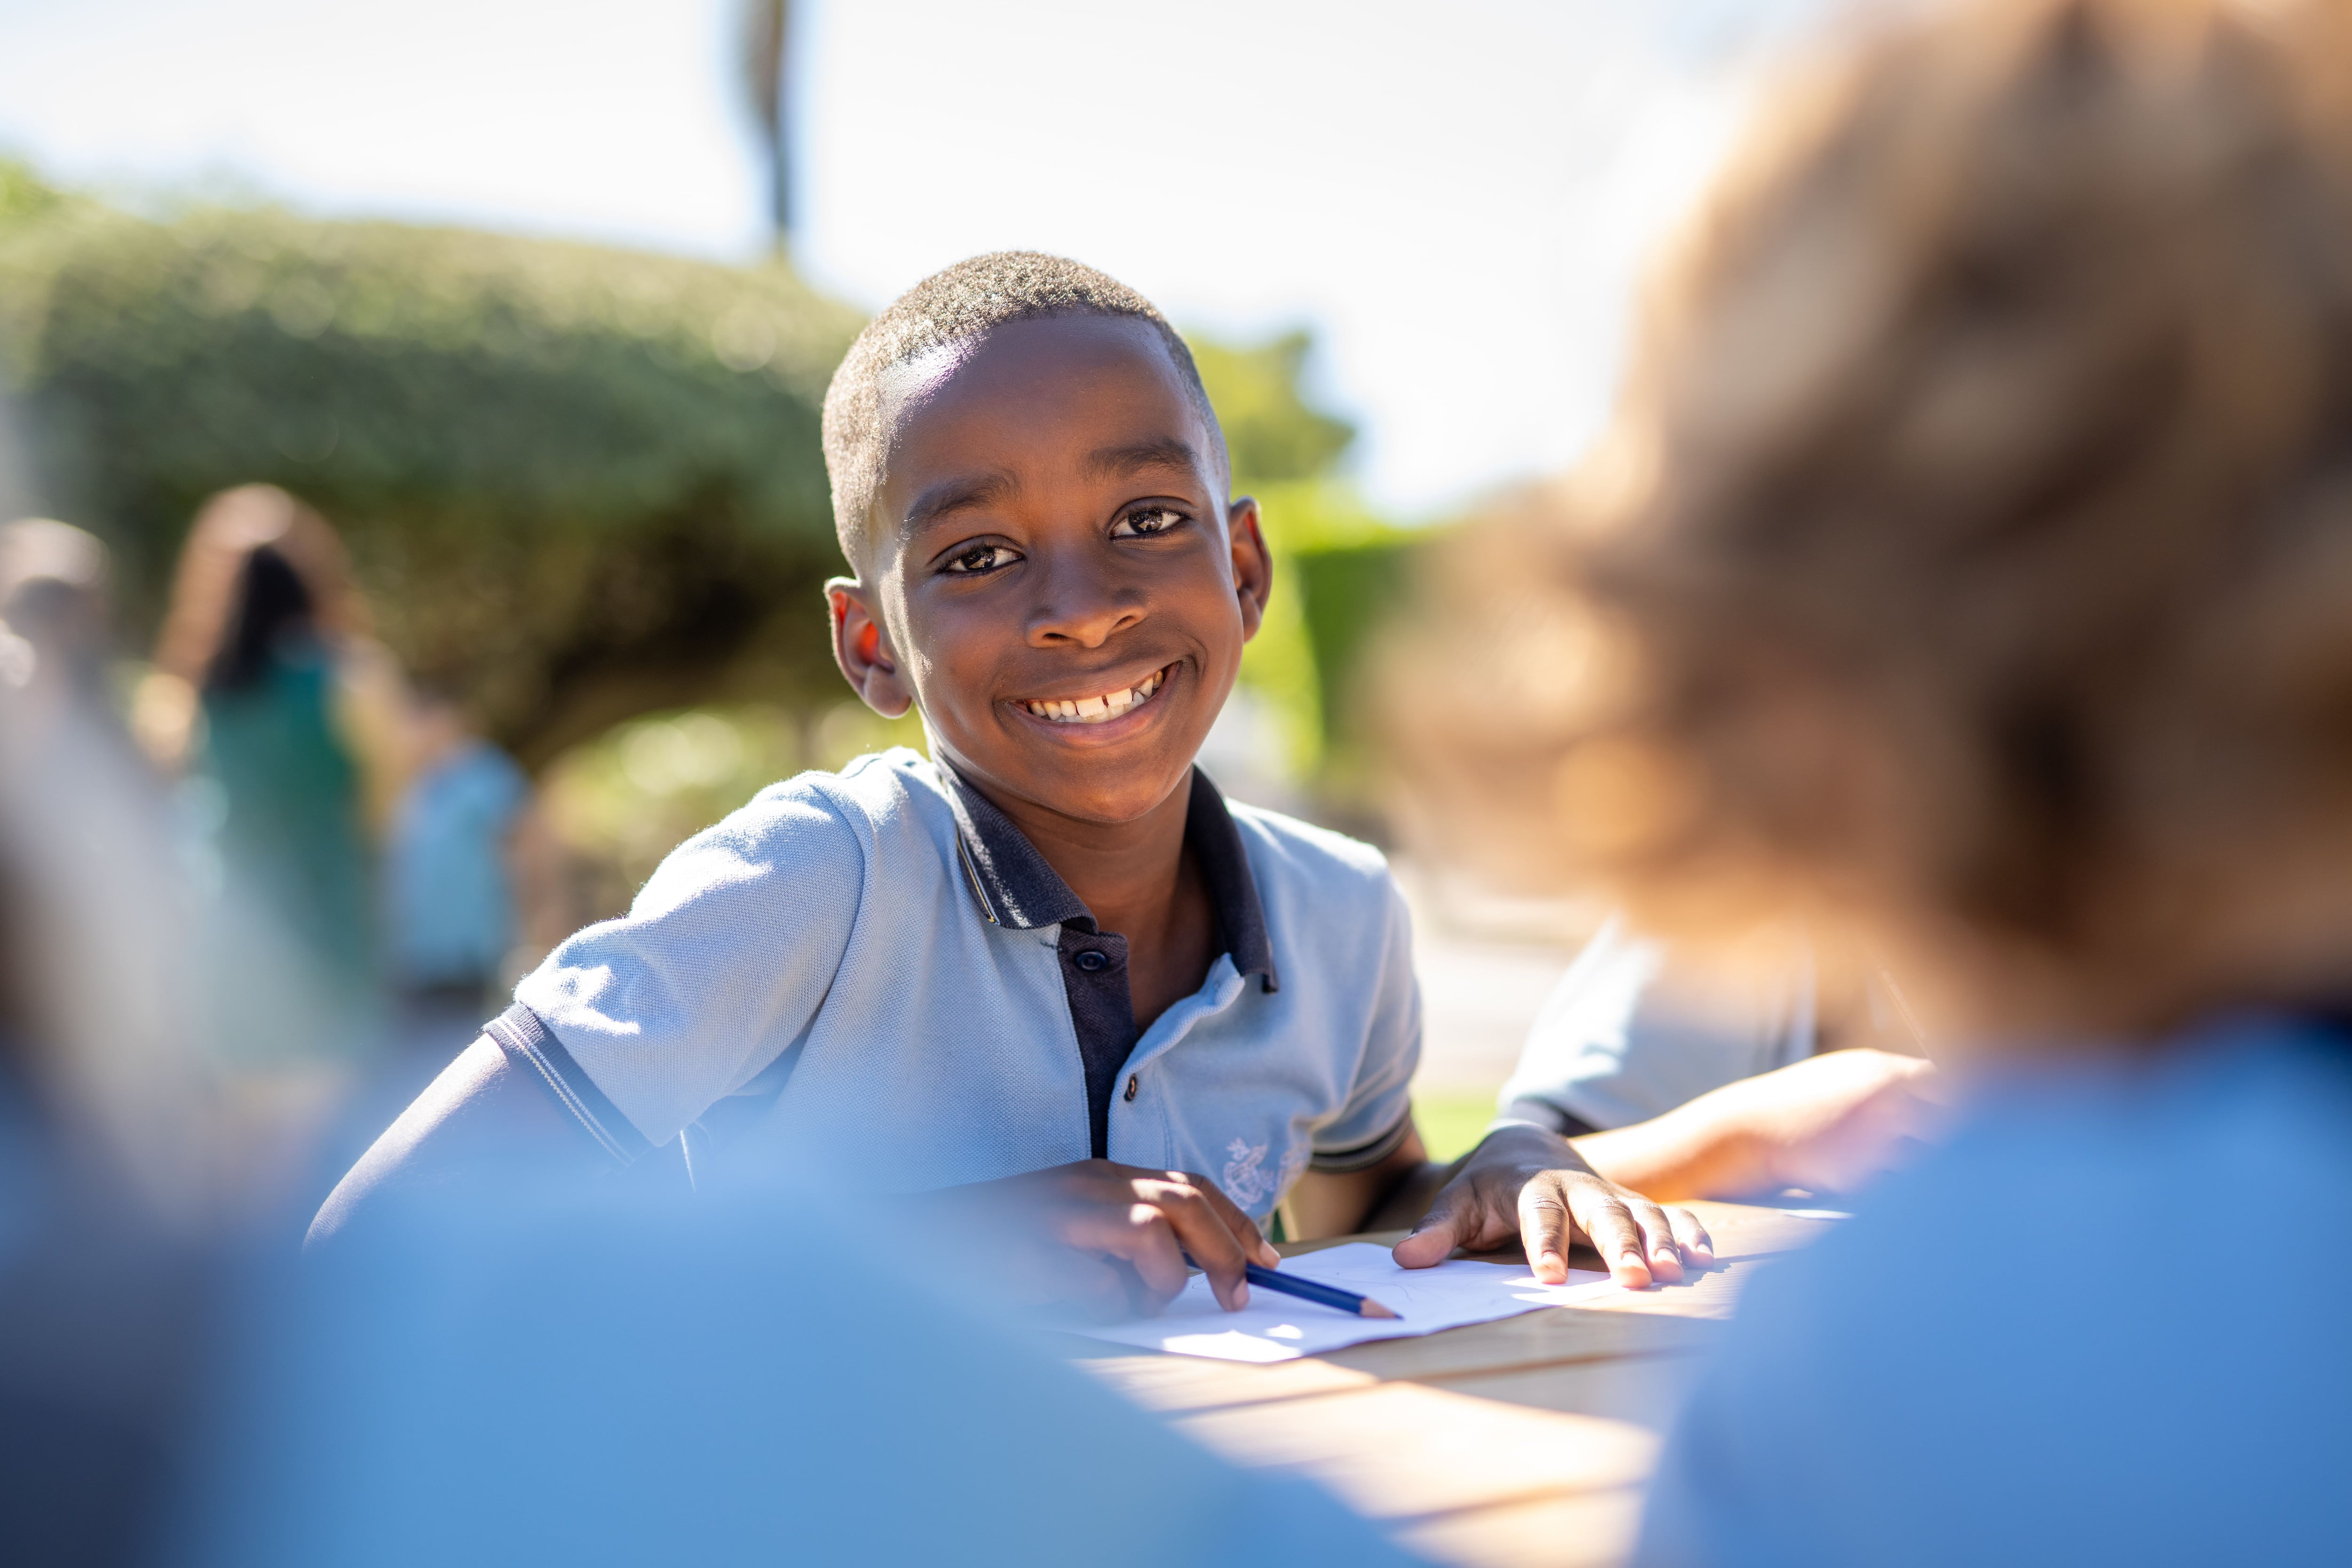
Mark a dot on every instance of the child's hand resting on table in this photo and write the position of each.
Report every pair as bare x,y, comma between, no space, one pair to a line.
1108,1239
1525,1183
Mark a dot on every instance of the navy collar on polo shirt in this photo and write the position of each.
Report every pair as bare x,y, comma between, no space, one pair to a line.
1015,887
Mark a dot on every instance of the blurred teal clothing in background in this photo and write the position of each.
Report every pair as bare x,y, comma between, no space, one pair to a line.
507,1374
2108,1323
288,813
449,903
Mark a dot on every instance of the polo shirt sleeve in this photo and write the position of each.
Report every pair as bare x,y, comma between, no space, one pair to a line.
640,1024
1379,1110
1578,1056
1635,1028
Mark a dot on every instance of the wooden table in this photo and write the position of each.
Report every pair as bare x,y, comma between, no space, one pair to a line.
1524,1441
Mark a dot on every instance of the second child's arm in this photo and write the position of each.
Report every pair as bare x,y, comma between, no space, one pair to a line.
1829,1123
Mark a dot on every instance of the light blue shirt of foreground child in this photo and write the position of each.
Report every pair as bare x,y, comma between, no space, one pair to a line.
509,1373
2058,1340
877,964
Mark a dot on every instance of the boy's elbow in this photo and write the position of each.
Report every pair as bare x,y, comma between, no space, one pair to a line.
480,1111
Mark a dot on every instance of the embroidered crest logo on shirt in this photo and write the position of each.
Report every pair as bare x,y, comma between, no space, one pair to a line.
1247,1178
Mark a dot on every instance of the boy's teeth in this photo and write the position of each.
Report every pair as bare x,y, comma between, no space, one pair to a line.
1095,710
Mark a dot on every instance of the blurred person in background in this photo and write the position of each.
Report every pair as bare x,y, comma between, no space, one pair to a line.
268,689
1968,573
284,717
54,599
467,849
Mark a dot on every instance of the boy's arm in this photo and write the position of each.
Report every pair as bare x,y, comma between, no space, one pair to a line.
1384,1196
481,1110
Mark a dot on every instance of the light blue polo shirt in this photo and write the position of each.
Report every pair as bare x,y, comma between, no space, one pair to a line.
2155,1371
876,967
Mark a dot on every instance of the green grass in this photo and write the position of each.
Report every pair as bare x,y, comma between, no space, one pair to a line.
1453,1120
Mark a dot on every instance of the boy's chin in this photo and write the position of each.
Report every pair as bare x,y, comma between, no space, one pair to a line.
1104,779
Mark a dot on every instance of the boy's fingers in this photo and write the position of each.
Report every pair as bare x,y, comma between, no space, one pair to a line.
1659,1249
1202,1231
1697,1245
1155,1253
1432,1241
1096,1287
1138,1236
1601,1215
1253,1244
1544,1223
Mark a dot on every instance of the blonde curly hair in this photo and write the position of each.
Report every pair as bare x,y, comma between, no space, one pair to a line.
1974,549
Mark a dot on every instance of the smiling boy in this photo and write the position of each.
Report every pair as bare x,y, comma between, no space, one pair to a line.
1049,971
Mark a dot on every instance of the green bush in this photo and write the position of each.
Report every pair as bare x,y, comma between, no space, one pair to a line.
577,483
1274,436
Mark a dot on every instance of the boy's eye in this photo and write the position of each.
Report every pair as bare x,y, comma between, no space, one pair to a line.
1146,520
980,558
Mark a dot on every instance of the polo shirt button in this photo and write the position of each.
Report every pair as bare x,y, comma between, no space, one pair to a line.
1130,1088
1092,958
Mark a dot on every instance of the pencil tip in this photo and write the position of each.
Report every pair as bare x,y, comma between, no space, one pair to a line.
1374,1310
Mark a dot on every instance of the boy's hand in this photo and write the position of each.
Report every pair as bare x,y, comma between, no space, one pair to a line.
1526,1183
1108,1239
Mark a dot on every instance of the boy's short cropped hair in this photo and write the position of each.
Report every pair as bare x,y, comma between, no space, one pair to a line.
964,303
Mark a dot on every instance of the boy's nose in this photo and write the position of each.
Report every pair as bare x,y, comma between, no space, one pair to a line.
1084,608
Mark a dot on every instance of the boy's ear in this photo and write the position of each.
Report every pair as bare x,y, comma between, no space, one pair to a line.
863,649
1252,563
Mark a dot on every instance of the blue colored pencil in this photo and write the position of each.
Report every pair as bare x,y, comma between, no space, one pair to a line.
1322,1295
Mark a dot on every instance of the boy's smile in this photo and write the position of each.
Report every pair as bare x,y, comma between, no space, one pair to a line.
1052,569
1101,707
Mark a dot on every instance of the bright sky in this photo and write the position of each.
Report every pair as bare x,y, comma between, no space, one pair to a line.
1455,197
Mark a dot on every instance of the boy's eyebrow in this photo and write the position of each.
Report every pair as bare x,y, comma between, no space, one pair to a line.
1168,452
954,495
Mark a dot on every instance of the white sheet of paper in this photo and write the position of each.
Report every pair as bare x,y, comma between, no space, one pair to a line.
1274,1327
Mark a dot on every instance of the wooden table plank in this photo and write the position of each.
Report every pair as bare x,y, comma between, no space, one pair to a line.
1400,1451
1588,1530
1647,1391
1752,1231
1181,1382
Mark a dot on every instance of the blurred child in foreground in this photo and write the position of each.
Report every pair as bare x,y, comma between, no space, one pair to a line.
1971,571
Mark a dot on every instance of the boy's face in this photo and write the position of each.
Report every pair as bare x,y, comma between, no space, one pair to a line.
1051,530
